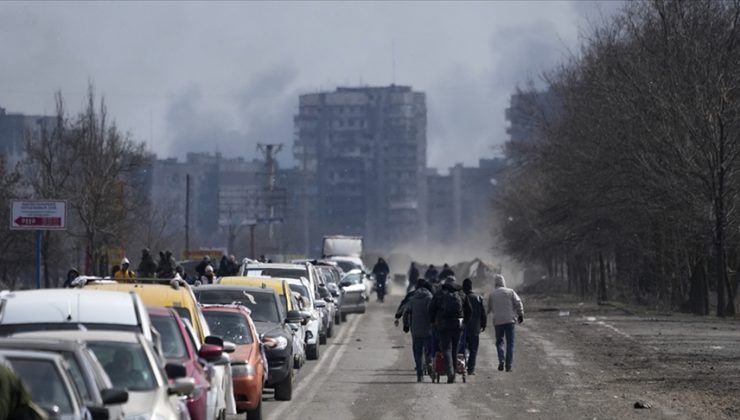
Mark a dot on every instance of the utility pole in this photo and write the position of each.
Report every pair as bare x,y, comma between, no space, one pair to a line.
187,215
270,151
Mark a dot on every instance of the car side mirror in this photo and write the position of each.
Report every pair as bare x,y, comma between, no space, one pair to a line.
345,283
113,396
319,303
210,352
294,317
175,370
98,413
215,340
181,386
306,317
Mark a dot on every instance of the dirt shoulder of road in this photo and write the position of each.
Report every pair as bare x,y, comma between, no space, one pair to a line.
677,363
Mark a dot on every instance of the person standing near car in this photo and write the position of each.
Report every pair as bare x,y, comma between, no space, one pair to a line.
450,311
381,270
416,319
475,325
507,310
124,274
15,401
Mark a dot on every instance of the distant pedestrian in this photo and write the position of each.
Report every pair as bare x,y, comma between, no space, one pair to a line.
507,310
167,264
446,272
209,277
381,270
475,325
200,269
431,274
147,267
413,276
262,259
72,274
233,269
180,271
416,318
223,267
124,274
449,310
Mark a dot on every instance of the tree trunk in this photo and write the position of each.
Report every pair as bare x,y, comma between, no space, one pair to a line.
602,279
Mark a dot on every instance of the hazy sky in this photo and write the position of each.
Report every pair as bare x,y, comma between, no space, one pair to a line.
224,76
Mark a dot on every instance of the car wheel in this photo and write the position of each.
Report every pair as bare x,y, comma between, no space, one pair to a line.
330,331
284,389
344,317
255,413
312,352
322,338
222,415
296,362
337,318
364,308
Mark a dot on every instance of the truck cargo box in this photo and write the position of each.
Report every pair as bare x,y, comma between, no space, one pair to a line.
339,245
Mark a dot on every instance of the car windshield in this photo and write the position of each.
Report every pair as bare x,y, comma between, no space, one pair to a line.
262,305
173,345
230,326
347,265
44,383
353,278
126,364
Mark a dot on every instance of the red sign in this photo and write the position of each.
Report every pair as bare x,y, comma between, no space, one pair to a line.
38,221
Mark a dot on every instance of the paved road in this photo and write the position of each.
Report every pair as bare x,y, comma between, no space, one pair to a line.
366,372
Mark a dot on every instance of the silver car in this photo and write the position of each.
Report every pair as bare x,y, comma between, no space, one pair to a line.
47,378
355,293
132,364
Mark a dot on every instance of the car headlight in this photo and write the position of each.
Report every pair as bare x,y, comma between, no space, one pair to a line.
242,369
281,341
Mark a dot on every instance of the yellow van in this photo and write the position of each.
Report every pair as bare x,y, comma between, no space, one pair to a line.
281,286
162,292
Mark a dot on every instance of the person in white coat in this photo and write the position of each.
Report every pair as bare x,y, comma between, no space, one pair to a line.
507,310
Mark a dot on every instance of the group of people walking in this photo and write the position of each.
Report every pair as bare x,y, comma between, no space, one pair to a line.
444,316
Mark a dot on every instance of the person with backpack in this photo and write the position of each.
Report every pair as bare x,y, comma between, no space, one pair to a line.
416,319
413,276
507,310
450,311
431,274
475,325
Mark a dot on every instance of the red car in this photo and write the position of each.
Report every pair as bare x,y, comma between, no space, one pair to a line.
248,363
178,348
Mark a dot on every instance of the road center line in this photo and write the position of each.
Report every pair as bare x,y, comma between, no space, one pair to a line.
318,368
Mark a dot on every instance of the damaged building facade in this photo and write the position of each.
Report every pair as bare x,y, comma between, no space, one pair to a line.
362,156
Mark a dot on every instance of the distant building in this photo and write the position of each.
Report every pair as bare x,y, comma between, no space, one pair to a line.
362,153
460,202
14,129
526,110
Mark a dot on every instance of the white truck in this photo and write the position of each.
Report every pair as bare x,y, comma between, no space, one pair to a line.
342,246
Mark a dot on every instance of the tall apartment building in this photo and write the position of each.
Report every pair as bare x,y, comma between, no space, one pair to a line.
362,152
14,129
525,109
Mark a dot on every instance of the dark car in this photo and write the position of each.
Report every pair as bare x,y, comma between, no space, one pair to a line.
271,320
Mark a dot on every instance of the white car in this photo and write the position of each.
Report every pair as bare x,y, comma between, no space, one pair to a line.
303,288
48,380
348,264
70,309
293,272
132,364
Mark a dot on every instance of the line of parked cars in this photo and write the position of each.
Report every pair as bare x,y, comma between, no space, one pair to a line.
163,349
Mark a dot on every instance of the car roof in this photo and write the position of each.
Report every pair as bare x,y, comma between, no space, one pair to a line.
151,294
234,287
32,354
43,343
68,306
261,283
89,335
225,308
255,266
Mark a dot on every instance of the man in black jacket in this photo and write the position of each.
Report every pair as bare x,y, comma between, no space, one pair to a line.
446,272
450,310
475,325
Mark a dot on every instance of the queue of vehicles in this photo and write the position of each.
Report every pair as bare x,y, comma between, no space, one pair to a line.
163,349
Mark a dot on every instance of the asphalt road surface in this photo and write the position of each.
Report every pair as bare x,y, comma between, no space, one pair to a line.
572,361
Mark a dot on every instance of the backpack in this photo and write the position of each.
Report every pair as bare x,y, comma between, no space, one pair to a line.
452,305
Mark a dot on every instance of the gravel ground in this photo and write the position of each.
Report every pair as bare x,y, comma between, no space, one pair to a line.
683,365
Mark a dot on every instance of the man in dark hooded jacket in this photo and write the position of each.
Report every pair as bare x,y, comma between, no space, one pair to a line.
431,274
450,311
413,276
475,325
147,267
416,319
446,272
